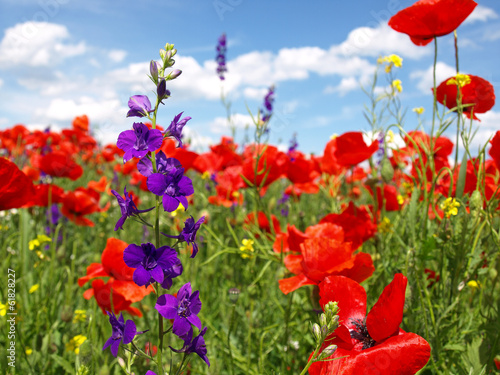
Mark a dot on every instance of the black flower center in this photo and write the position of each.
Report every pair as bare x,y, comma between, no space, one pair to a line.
360,333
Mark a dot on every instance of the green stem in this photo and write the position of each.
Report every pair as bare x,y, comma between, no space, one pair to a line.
311,360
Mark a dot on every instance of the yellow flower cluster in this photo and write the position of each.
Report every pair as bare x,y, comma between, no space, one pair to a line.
39,240
247,248
34,288
460,79
418,110
396,84
80,316
74,344
450,207
385,226
391,60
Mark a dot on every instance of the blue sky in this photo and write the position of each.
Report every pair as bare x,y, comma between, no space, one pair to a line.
63,58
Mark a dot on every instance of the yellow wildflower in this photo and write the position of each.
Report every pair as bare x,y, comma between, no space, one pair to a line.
74,344
34,288
103,216
28,350
390,136
396,84
205,175
80,316
180,208
4,227
247,248
236,194
3,309
385,226
450,207
400,199
460,79
333,136
391,60
39,240
418,110
473,284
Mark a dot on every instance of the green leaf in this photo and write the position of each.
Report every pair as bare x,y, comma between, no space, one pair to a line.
63,363
386,170
461,178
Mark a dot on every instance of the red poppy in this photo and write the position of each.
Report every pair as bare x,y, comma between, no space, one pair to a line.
427,19
120,280
322,255
228,181
60,164
100,185
271,165
81,123
371,343
78,204
357,224
185,157
387,196
16,188
329,163
45,193
352,149
475,90
495,149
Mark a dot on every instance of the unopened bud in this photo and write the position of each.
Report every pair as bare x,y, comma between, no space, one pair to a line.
153,70
174,74
161,90
316,330
322,320
327,352
333,324
67,313
163,54
234,294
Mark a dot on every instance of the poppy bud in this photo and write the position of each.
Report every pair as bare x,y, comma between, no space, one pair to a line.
234,293
327,352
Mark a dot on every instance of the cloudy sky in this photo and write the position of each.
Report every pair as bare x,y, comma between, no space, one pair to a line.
64,58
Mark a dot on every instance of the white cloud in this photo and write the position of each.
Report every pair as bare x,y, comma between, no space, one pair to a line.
425,77
485,129
254,93
220,125
197,142
37,44
367,41
117,55
481,14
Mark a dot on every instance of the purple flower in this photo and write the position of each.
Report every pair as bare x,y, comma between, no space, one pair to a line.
182,309
171,273
53,214
188,234
127,206
139,105
220,58
150,372
138,142
268,105
175,128
174,187
122,331
163,164
194,345
149,262
293,147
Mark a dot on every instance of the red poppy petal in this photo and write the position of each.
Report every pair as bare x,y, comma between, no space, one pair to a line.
363,268
404,354
112,260
294,263
495,149
386,315
294,283
16,188
351,298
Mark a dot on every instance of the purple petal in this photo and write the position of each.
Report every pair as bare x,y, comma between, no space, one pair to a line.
145,167
181,326
183,200
167,306
184,291
155,140
129,154
126,140
108,343
133,255
114,348
186,186
170,204
141,276
157,184
168,258
120,222
193,319
195,306
157,274
129,332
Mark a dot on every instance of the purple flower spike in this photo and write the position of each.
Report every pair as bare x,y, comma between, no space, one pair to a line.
138,142
196,345
174,187
127,206
139,105
122,331
268,105
188,234
220,58
149,262
175,128
163,164
183,309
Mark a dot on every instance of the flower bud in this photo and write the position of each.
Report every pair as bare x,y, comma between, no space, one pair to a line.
161,89
234,293
174,74
333,324
67,313
322,320
153,70
316,330
163,54
327,352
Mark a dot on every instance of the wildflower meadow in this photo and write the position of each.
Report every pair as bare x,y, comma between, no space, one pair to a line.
377,255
